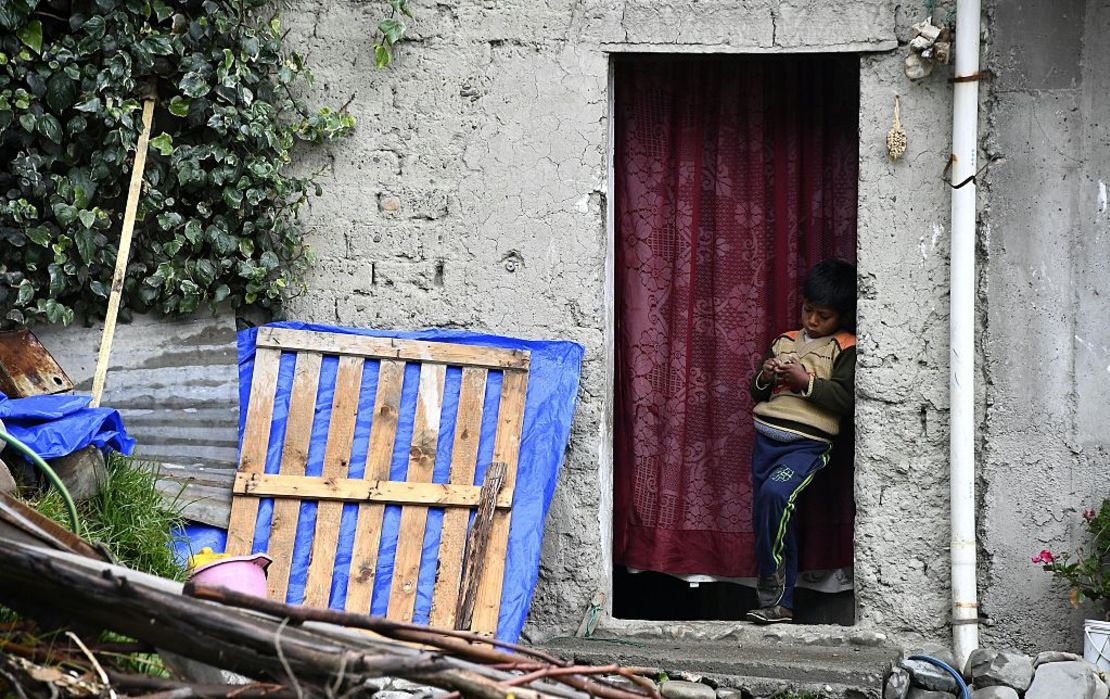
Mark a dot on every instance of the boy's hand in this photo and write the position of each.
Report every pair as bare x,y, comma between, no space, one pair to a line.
794,376
770,368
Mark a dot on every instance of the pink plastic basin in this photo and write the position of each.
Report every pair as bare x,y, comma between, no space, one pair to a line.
246,574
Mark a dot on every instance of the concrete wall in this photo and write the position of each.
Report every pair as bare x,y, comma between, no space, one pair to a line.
475,195
1045,346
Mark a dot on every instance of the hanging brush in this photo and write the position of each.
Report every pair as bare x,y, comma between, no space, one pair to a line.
896,140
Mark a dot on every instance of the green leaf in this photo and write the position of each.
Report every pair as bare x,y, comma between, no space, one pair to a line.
193,231
90,105
26,291
382,56
163,143
179,106
194,85
221,293
38,235
87,217
393,29
31,35
269,260
99,289
64,213
61,91
86,244
28,121
159,45
57,279
169,220
52,309
161,10
50,127
401,6
246,247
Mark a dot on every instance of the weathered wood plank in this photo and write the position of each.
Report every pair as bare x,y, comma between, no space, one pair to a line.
390,348
452,538
422,459
357,490
368,530
506,449
477,543
256,439
337,457
294,456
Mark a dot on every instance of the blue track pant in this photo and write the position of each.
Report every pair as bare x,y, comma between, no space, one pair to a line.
780,471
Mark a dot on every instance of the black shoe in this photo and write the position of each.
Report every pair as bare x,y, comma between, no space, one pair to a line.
771,615
769,590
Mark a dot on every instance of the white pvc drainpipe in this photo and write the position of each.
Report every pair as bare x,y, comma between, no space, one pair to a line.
965,117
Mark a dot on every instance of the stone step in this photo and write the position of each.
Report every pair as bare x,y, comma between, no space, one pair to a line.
761,667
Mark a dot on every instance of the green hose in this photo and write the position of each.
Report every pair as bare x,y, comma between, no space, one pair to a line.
51,476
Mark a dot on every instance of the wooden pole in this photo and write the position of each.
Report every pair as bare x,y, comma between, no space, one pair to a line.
121,255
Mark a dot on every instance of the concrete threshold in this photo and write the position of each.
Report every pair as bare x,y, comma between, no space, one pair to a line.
826,661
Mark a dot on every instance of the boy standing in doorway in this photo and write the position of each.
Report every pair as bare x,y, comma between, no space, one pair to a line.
803,389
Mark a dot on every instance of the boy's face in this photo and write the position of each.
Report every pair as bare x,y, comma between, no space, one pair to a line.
819,321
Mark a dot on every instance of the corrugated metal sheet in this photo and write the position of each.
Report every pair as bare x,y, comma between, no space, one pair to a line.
175,382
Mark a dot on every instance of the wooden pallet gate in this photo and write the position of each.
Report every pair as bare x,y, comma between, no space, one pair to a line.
374,491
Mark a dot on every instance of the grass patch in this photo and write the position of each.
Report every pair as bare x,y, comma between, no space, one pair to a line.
128,516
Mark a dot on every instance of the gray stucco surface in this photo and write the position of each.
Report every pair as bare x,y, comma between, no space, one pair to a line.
474,194
1045,356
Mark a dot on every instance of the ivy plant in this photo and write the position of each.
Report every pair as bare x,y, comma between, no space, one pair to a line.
217,219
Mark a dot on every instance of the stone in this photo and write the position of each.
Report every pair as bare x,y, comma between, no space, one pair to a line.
1054,656
680,689
406,686
919,693
867,638
935,650
897,684
920,43
929,676
1074,679
917,67
83,472
392,694
988,668
995,693
730,693
927,30
7,483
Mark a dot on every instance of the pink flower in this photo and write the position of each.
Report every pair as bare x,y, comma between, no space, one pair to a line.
1089,515
1044,557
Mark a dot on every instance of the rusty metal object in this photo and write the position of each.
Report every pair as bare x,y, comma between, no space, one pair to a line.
27,369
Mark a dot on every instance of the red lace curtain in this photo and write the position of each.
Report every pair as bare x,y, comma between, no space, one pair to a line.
733,177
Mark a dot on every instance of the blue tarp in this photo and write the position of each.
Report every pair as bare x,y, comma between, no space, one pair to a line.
53,426
549,407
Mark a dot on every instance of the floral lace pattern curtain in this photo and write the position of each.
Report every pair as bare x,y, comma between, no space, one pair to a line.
733,177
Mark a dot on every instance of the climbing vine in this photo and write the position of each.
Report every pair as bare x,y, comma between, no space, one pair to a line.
217,217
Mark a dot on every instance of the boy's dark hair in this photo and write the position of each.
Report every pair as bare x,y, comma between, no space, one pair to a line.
832,283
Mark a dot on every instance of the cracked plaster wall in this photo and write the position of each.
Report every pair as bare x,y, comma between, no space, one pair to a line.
474,195
1043,445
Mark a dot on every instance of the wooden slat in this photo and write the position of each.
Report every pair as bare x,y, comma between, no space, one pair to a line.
422,459
294,456
337,457
452,538
256,439
357,490
476,544
506,448
390,348
368,530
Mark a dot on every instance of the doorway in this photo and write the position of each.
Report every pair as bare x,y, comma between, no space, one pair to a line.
732,177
